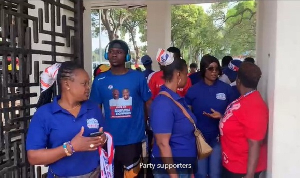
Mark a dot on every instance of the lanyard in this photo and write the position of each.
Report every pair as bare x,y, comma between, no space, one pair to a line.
248,93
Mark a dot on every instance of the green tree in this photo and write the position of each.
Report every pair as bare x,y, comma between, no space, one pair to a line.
237,22
240,28
183,19
112,20
136,18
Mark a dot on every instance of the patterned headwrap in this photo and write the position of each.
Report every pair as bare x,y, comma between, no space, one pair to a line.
48,77
164,57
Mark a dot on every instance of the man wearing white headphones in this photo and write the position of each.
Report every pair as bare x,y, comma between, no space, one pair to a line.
125,120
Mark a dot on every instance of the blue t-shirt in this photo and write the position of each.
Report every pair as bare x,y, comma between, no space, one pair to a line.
235,92
203,97
167,117
123,98
147,72
52,125
195,77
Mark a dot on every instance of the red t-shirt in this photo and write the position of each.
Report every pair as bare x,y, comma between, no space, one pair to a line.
156,81
246,118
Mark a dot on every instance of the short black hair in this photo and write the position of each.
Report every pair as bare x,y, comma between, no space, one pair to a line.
249,59
168,71
122,43
193,65
64,72
206,60
226,60
249,75
174,50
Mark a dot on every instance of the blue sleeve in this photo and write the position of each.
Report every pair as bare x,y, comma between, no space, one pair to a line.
144,88
37,135
162,116
100,119
95,94
231,95
189,97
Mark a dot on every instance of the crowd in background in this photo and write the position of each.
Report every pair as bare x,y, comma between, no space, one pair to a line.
126,108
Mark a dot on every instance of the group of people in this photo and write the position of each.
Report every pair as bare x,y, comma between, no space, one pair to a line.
69,132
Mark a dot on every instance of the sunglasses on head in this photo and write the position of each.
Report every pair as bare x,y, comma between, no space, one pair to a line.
211,69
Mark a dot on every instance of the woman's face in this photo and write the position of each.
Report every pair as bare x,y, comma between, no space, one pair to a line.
79,85
182,77
212,71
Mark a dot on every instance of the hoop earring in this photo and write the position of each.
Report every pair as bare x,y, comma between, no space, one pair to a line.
179,82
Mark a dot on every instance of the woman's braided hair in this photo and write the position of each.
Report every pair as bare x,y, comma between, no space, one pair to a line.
64,72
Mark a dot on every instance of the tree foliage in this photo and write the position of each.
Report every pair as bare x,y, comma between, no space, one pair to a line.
227,28
136,18
112,21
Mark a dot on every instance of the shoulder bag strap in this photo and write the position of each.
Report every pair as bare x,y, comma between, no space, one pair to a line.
187,115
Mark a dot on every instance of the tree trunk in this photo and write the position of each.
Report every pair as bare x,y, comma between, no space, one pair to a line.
132,32
111,25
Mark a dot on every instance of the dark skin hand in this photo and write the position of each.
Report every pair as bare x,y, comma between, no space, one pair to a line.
254,148
79,142
147,108
162,141
214,114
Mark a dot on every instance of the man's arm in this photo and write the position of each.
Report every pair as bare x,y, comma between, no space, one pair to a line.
148,108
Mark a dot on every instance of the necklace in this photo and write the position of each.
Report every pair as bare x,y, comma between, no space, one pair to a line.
73,107
246,94
69,108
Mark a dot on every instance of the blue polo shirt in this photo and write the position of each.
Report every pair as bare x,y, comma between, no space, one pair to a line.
203,97
235,92
195,77
147,72
123,98
52,125
167,117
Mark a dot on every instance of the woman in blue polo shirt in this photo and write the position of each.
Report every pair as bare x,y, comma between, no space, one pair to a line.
174,143
59,132
207,96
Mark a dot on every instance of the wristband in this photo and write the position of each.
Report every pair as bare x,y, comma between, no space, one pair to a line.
66,150
72,148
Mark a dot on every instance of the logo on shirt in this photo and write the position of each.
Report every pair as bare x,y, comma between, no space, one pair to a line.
110,87
92,123
101,78
121,103
221,96
227,115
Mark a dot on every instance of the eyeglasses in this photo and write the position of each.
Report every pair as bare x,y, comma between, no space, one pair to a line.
211,69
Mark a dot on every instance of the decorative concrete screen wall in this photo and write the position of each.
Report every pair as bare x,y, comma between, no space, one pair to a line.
33,35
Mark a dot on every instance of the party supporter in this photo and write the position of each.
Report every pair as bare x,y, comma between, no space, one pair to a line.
229,73
147,62
193,68
196,77
174,138
205,98
249,59
59,132
123,93
156,80
232,71
243,128
225,61
100,69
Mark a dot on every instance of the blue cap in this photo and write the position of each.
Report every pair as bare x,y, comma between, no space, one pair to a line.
146,60
232,69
